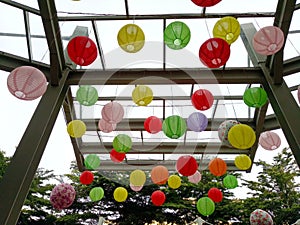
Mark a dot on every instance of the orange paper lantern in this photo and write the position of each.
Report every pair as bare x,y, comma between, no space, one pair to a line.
159,175
217,167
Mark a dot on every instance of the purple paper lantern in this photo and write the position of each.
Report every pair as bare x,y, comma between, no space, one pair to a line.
197,122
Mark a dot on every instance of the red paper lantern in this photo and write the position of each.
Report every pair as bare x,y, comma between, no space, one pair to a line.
202,99
82,50
112,112
214,52
186,165
206,3
268,40
158,198
117,156
153,125
105,126
269,140
159,175
215,194
86,177
217,167
27,83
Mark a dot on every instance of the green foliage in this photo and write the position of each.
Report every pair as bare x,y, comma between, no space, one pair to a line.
4,161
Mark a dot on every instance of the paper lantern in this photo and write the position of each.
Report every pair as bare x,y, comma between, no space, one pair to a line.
224,129
205,206
76,128
137,178
186,165
299,94
214,52
105,126
112,112
255,97
197,122
230,181
62,196
131,38
202,99
227,28
206,3
136,188
92,162
174,181
96,194
26,83
142,95
242,162
174,127
241,136
159,175
87,95
195,178
158,198
122,143
217,167
82,50
177,35
260,217
117,156
269,140
86,177
153,125
215,194
120,194
268,40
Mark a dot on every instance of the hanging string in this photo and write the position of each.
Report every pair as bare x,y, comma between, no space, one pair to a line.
235,115
293,46
207,28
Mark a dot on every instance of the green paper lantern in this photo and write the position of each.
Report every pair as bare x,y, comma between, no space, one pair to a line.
177,35
255,97
122,143
96,194
87,95
92,162
174,127
230,182
205,206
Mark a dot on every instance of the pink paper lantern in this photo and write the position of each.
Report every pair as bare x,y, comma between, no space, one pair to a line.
268,40
113,112
186,165
62,196
136,188
269,140
195,178
299,94
27,83
153,125
105,126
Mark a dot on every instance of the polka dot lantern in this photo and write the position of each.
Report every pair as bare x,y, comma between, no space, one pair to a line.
242,162
230,181
159,175
131,38
255,97
260,217
174,181
112,112
217,167
186,165
82,50
62,196
92,162
86,177
202,99
269,140
223,130
241,136
214,52
268,40
26,83
215,194
142,95
158,198
153,125
197,122
96,194
120,194
177,35
206,3
227,28
87,95
137,178
106,127
76,128
195,178
122,143
117,156
205,206
174,127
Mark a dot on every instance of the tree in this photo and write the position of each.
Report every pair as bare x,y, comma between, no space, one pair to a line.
4,161
276,190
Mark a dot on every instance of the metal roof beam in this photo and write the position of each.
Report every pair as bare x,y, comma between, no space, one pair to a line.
291,66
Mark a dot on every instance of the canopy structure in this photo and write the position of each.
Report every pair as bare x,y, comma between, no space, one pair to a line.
43,29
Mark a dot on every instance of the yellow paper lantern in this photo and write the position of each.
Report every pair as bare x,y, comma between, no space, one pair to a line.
137,178
120,194
131,38
142,95
174,181
241,136
76,128
242,162
227,28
